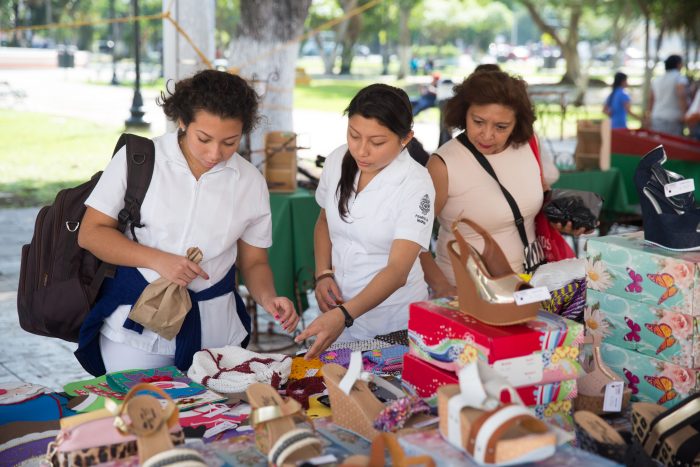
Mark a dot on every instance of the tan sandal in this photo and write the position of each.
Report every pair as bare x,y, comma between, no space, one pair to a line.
592,386
380,444
147,419
474,418
276,434
486,283
355,407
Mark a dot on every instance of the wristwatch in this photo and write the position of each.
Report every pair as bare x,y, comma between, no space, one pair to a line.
349,321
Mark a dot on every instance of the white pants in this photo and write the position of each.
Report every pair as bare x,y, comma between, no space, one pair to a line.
119,357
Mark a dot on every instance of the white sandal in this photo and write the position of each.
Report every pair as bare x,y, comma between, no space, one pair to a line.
475,418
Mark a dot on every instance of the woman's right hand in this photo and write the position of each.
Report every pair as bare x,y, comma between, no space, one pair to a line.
178,269
327,294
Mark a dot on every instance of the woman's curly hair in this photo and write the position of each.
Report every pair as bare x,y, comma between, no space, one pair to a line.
217,92
493,87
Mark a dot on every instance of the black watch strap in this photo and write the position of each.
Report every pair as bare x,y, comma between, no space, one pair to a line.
349,320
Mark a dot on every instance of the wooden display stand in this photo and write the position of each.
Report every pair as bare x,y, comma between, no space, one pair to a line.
280,168
593,144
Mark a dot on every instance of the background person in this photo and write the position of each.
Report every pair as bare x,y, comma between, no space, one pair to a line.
668,100
376,216
617,106
202,194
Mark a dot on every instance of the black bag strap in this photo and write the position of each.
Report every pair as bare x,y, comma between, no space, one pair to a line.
481,159
140,161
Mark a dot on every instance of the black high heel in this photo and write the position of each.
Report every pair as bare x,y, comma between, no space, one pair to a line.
669,222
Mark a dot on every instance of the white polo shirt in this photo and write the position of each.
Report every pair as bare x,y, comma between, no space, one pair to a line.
396,204
228,202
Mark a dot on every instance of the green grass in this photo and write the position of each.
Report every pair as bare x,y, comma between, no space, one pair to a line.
41,154
327,95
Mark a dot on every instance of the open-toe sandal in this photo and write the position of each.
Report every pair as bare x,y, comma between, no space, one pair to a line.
142,415
276,434
486,283
484,417
592,385
380,444
671,436
357,409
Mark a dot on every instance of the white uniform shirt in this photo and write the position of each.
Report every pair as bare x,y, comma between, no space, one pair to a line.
227,203
396,204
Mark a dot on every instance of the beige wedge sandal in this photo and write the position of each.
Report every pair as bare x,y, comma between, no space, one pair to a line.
355,407
387,442
591,386
276,433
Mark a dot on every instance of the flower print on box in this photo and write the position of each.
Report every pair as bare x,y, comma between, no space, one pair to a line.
595,321
597,277
626,266
654,331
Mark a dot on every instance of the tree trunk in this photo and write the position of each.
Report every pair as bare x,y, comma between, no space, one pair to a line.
647,58
327,56
15,35
404,42
349,41
265,53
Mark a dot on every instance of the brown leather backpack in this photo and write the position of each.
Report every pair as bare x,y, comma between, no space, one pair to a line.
59,281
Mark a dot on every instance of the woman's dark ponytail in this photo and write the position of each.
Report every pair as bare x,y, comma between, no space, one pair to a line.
388,105
346,184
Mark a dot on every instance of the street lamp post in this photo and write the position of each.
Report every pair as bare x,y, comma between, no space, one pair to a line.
113,40
137,112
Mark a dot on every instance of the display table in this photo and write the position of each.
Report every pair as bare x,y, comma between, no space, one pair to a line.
292,253
610,184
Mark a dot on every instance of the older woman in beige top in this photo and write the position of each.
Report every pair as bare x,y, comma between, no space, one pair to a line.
495,112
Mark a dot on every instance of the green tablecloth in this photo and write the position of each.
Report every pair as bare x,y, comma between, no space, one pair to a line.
292,253
609,184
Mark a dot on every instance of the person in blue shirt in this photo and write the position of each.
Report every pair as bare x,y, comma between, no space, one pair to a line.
617,105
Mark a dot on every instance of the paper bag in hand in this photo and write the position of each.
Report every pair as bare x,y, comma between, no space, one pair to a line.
162,306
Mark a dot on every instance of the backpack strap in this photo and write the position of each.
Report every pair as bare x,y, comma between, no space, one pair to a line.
140,161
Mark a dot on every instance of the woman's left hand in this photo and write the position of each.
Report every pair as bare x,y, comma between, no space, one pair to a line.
282,310
569,229
327,327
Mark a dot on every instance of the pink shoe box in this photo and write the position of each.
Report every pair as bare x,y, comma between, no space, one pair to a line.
424,380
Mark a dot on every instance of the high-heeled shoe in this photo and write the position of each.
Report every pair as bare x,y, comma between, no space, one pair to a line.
669,222
486,282
650,173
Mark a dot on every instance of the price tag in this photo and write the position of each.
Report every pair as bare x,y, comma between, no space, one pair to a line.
219,428
613,396
311,372
535,294
521,371
679,187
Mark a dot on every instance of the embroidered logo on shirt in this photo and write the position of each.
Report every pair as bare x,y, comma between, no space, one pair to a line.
424,205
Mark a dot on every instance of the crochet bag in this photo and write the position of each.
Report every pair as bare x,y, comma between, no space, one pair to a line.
232,369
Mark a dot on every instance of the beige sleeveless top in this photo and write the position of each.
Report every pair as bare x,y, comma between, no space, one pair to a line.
473,193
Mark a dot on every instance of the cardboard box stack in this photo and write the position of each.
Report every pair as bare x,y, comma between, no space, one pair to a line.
644,301
538,358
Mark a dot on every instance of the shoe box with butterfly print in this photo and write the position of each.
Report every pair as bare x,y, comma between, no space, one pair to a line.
650,379
644,301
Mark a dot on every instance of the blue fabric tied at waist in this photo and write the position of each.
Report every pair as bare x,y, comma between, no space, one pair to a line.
125,289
